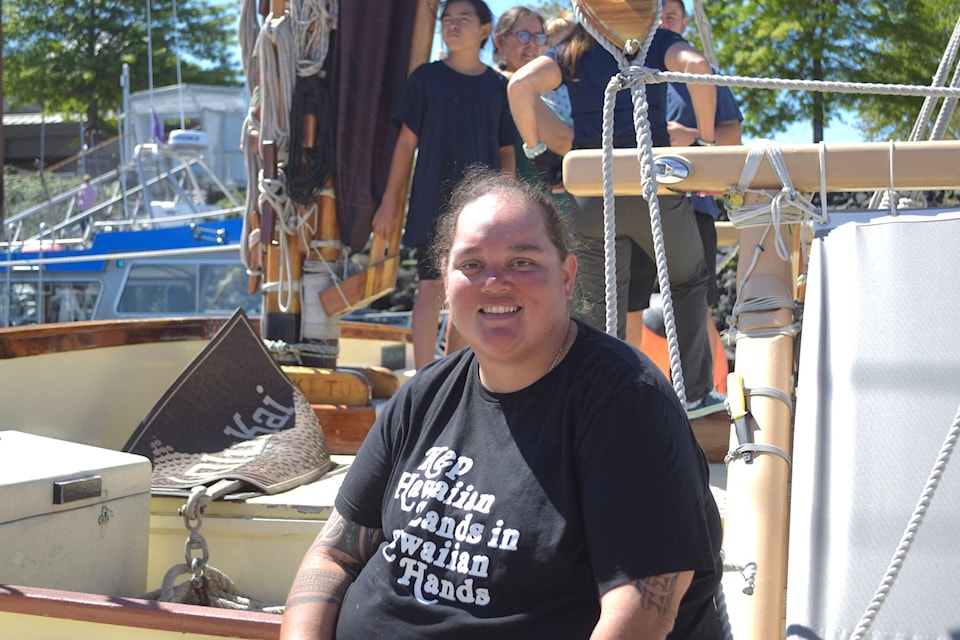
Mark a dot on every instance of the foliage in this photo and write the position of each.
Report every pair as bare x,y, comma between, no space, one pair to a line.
67,55
898,42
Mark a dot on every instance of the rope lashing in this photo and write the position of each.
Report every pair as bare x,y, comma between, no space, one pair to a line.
873,88
755,447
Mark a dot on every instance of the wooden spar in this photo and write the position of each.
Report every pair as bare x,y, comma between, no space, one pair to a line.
849,167
380,276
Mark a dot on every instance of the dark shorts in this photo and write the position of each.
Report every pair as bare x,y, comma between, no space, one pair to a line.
426,269
643,279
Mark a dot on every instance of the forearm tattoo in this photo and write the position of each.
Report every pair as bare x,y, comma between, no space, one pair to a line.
318,585
658,592
333,561
349,544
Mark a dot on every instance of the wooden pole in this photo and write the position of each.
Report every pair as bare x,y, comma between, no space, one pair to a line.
756,517
849,167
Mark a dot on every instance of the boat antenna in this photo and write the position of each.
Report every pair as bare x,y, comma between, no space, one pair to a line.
153,110
176,44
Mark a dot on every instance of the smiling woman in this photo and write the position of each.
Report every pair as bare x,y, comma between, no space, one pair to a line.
508,277
496,494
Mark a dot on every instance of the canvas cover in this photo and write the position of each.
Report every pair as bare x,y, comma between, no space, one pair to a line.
878,390
232,415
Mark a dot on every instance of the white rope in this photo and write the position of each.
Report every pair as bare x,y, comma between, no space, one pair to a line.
248,34
906,541
657,76
313,21
706,36
635,78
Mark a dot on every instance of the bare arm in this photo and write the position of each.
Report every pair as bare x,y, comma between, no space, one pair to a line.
728,133
331,563
682,57
642,610
555,134
391,207
537,76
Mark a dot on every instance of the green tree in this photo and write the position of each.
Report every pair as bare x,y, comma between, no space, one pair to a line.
898,42
67,55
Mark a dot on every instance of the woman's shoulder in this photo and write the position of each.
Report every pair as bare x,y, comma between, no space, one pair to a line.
609,360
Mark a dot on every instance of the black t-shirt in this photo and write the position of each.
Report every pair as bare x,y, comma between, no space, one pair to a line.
460,120
507,515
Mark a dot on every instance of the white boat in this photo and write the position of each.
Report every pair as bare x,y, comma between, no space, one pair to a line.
841,434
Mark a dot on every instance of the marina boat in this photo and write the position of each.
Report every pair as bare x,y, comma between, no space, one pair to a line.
153,249
838,501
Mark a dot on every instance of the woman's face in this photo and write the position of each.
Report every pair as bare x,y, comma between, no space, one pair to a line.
513,51
506,284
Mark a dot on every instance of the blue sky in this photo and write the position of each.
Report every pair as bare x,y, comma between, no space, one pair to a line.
837,132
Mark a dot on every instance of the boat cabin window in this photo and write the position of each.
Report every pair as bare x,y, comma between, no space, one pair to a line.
186,289
62,302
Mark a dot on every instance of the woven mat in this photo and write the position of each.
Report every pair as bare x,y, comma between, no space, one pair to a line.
232,415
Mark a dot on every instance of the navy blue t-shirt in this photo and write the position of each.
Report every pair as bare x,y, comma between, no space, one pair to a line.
594,70
460,120
680,109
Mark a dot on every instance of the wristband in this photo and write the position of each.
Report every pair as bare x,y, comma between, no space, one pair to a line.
700,142
533,152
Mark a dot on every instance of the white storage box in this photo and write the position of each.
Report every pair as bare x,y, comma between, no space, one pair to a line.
72,516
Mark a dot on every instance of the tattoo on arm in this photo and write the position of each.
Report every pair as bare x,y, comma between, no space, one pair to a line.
658,592
340,551
349,544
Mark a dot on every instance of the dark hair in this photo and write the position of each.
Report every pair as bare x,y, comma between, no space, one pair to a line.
505,24
571,50
480,180
483,12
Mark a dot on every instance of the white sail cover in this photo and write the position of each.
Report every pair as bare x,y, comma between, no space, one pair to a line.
878,390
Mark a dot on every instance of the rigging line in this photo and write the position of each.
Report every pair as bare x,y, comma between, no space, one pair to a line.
652,76
906,541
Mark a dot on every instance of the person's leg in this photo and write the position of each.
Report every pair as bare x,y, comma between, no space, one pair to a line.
591,280
708,237
424,320
643,276
688,285
425,317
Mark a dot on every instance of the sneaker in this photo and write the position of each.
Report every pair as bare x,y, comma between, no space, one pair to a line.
711,403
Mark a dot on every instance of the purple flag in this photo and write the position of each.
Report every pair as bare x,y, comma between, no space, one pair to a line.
157,127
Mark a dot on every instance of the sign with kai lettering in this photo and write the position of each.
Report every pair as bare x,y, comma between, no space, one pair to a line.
232,414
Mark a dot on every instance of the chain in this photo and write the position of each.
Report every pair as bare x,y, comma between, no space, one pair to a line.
192,513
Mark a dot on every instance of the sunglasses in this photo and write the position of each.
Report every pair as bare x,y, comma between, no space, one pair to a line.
525,37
